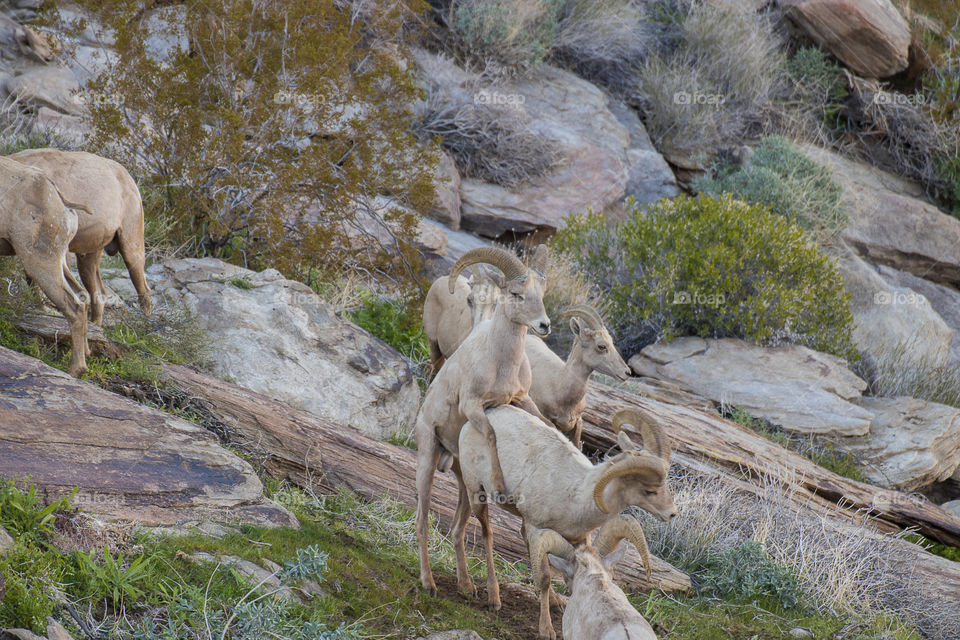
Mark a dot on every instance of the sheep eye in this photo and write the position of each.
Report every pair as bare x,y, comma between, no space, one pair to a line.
602,348
518,296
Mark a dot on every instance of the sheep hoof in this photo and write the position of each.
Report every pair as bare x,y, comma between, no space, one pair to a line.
494,606
468,589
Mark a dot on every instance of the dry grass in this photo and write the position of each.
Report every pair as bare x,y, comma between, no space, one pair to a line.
842,567
900,373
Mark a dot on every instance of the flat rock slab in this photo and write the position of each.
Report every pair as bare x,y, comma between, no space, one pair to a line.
128,462
798,388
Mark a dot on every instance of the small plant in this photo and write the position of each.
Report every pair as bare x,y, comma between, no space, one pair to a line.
713,268
819,84
241,283
516,33
33,577
120,581
747,572
780,177
23,513
396,322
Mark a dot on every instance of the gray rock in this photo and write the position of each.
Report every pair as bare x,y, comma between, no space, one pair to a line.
55,631
128,461
275,336
892,319
6,542
912,443
446,203
650,177
453,634
267,578
798,388
53,87
953,507
20,634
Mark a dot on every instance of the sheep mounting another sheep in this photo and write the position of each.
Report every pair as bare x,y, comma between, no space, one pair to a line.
488,369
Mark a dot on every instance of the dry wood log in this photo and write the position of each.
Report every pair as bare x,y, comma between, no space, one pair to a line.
705,442
324,456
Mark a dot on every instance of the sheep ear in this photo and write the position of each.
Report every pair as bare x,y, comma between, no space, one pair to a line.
494,276
562,565
575,326
626,444
611,559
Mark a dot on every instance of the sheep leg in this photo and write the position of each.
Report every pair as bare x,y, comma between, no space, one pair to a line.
130,241
436,357
48,273
546,631
577,433
428,453
493,587
473,410
80,294
88,264
458,533
526,403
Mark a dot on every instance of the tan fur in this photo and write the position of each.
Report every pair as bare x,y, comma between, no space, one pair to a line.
448,317
36,226
107,192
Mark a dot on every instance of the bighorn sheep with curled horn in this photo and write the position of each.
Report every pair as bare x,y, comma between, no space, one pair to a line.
560,388
554,485
37,225
487,370
114,220
449,317
596,607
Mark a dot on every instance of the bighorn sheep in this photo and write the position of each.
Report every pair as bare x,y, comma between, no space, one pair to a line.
555,486
106,191
449,318
596,607
36,225
487,370
560,388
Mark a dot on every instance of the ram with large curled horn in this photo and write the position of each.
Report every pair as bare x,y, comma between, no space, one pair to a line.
487,370
596,607
554,485
560,388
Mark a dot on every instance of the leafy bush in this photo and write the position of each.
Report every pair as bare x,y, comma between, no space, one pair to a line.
23,513
713,268
118,580
819,85
780,177
398,323
747,572
33,576
268,148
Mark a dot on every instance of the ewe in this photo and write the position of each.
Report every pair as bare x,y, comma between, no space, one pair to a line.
487,370
560,388
596,607
37,226
449,317
114,222
553,485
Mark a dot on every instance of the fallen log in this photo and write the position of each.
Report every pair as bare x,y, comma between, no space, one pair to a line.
324,457
702,441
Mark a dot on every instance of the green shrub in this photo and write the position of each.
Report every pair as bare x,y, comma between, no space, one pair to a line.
780,177
398,323
23,513
713,268
33,576
517,33
747,572
118,580
819,84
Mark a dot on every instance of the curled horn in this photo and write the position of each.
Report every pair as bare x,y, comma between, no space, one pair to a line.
623,528
547,541
503,260
540,258
653,439
627,466
588,313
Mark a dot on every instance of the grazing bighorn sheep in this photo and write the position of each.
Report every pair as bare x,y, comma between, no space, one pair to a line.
560,388
104,189
596,607
555,486
449,318
37,225
487,370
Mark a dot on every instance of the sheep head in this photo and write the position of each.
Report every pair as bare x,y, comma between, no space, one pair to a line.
620,528
646,468
484,293
522,288
596,344
543,542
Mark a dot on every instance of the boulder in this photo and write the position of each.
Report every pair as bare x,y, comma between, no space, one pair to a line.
266,578
891,319
55,631
71,128
795,387
952,507
912,443
6,542
128,461
890,222
943,299
277,337
870,37
604,152
446,202
53,87
18,41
